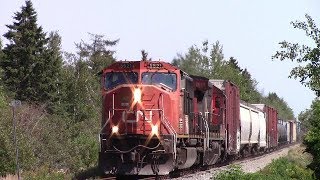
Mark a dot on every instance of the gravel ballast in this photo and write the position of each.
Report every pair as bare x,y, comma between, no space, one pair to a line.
248,166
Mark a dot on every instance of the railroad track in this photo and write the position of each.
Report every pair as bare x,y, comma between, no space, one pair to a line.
183,172
133,178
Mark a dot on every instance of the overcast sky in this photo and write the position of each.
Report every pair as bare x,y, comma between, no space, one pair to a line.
248,30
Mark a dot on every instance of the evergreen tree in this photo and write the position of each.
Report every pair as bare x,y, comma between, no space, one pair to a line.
53,78
144,56
28,70
234,63
97,53
284,111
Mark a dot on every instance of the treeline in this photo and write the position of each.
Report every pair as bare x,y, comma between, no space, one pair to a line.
209,61
59,120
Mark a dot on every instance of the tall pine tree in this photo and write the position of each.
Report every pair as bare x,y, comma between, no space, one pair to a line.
30,72
52,76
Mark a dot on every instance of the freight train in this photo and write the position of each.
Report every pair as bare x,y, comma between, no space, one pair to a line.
156,119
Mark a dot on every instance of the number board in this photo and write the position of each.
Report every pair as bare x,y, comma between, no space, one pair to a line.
126,65
155,65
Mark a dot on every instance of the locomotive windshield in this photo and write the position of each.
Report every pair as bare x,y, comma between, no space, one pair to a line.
113,79
167,80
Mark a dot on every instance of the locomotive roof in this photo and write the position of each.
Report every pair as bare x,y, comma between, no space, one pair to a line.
130,65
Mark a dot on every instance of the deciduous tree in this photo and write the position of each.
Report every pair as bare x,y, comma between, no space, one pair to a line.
82,86
308,57
308,73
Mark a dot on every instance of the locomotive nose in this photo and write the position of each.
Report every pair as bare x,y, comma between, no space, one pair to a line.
136,110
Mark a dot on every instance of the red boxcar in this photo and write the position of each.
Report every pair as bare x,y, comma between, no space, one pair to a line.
232,112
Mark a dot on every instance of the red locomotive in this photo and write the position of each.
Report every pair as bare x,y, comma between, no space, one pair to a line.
156,118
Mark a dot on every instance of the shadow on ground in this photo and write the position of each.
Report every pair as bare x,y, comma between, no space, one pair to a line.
91,173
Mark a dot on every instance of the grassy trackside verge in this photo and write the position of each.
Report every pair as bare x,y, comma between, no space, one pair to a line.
292,166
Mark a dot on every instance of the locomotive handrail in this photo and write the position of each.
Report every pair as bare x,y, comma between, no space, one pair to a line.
107,121
168,125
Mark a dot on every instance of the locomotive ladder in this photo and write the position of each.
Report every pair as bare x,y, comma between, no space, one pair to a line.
165,121
207,133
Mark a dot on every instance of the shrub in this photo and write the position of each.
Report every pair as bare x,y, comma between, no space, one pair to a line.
45,173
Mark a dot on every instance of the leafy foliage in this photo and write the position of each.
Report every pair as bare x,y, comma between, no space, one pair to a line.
312,138
81,91
308,72
7,149
44,173
304,117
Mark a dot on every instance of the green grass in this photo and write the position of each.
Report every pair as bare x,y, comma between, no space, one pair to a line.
292,166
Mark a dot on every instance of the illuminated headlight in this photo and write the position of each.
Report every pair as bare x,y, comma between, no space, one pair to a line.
154,130
137,95
115,129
